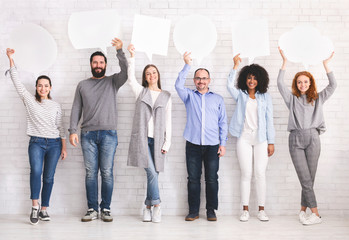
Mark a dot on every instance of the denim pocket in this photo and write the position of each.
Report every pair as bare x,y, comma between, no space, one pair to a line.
33,139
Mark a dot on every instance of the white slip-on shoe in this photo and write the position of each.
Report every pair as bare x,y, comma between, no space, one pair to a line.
244,216
262,216
156,218
302,216
313,219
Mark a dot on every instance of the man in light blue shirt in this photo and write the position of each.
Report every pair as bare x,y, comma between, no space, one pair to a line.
206,135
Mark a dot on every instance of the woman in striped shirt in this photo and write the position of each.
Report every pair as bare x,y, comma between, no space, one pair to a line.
47,139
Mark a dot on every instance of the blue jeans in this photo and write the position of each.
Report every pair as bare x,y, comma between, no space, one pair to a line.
195,155
153,197
98,148
43,157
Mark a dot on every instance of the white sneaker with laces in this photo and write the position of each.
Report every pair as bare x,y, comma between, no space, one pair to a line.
262,216
302,216
244,216
156,218
147,215
313,219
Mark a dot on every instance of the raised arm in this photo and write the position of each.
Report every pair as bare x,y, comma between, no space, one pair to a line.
234,92
120,78
332,84
285,93
179,85
132,81
21,90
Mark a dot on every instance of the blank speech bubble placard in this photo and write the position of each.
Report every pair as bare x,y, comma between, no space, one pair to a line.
94,29
151,35
251,38
196,34
304,44
35,48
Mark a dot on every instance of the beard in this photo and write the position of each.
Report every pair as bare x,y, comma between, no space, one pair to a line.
98,74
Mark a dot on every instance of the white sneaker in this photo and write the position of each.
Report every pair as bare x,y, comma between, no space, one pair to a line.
90,215
313,219
156,214
302,216
244,216
147,215
262,216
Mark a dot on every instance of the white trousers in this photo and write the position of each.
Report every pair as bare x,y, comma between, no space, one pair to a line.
252,155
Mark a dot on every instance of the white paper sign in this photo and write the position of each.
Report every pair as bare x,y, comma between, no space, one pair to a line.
251,38
196,34
304,44
94,29
151,35
35,48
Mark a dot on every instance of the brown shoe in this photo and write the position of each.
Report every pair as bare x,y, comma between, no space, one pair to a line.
192,216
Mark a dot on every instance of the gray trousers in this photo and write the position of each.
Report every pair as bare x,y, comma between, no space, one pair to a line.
304,146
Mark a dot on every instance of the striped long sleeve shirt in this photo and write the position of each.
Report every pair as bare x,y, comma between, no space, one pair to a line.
44,119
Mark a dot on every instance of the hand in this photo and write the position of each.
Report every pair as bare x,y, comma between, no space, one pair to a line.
237,61
221,151
187,58
163,151
326,61
74,139
63,153
284,59
10,52
117,43
131,49
270,149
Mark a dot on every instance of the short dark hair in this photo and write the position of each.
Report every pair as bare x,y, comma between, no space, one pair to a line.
202,69
144,81
37,96
98,53
260,74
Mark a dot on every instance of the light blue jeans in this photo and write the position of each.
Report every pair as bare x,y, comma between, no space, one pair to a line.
153,197
43,154
98,148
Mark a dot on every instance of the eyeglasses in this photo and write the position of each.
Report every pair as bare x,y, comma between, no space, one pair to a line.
199,78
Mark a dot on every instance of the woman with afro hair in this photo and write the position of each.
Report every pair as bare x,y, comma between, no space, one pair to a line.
252,125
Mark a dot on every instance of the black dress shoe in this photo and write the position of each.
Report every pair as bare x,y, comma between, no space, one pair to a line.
192,216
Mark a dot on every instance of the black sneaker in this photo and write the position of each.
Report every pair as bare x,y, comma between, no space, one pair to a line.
192,216
211,215
43,216
34,216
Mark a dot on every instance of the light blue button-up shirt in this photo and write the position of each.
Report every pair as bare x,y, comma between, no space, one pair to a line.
266,129
206,116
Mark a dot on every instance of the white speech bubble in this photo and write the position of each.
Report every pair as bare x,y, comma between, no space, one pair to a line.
35,48
94,29
251,38
305,44
151,35
196,34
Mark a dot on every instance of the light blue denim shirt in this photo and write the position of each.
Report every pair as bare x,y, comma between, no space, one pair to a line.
266,129
206,116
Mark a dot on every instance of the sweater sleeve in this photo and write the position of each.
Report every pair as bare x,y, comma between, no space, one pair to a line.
285,93
120,78
20,88
234,92
59,123
168,134
76,111
132,81
329,90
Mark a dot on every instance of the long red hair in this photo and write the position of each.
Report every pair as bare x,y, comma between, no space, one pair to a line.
311,93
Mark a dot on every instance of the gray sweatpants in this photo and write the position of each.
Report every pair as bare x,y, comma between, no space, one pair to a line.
304,146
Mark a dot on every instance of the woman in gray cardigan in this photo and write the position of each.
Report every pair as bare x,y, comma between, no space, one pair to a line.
151,131
305,123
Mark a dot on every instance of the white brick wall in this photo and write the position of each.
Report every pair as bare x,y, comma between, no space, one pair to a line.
283,196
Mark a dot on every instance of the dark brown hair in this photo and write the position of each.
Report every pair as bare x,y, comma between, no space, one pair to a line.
260,74
144,81
37,96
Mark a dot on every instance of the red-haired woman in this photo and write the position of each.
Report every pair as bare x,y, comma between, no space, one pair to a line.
305,123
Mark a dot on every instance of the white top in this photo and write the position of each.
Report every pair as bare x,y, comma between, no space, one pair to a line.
137,89
44,119
251,115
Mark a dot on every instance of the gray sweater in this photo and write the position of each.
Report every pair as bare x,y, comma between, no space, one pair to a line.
95,99
304,115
